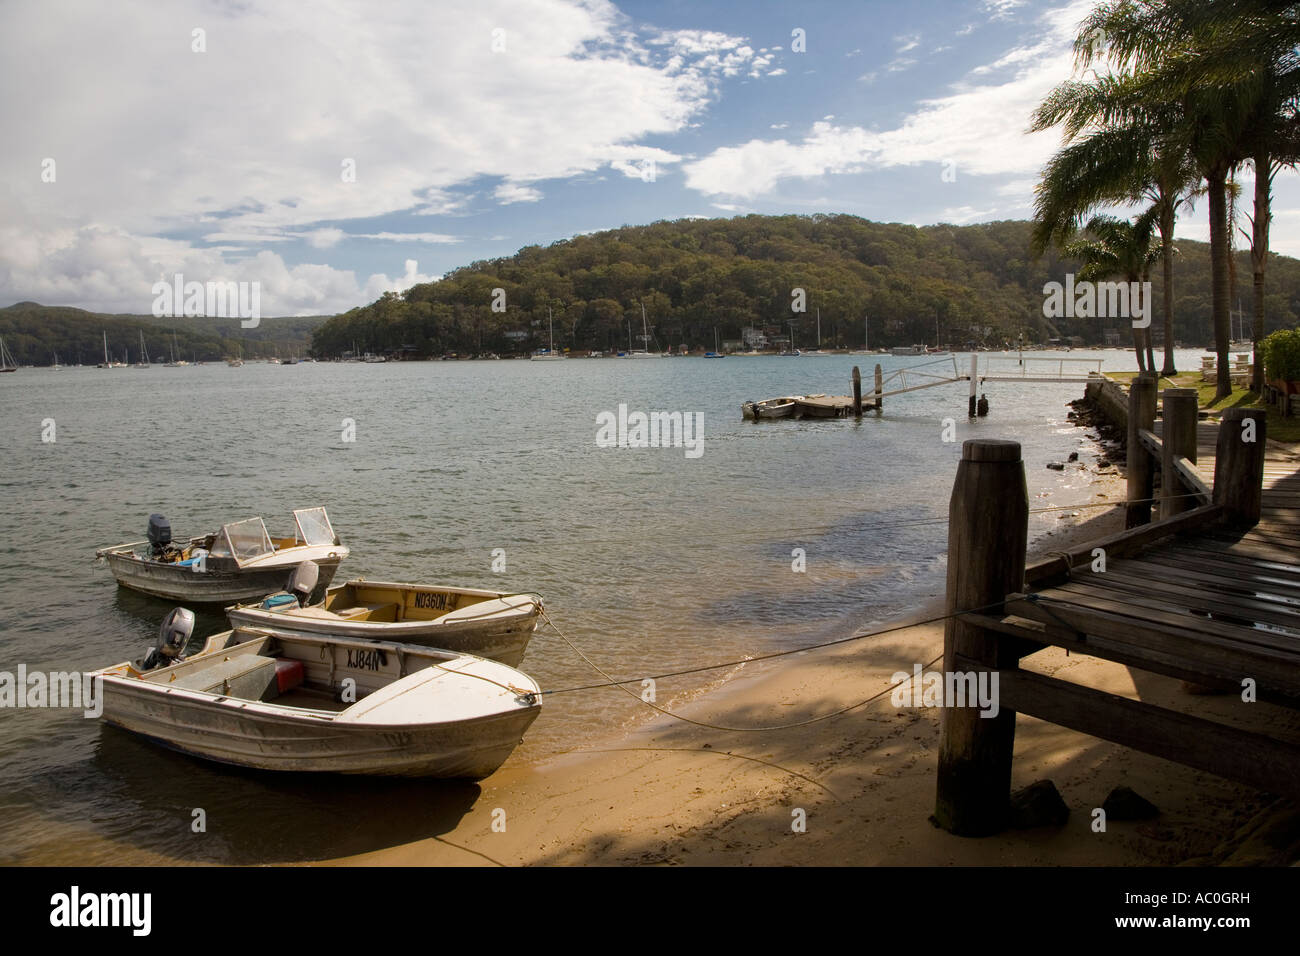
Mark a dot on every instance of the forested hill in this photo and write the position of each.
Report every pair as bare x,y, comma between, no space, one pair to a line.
978,283
34,333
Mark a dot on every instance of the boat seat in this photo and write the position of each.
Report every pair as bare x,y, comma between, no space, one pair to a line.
375,613
245,676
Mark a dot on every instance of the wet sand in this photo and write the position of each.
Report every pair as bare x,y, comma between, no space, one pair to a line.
673,792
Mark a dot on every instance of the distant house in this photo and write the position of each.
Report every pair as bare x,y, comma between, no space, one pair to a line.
732,345
517,335
1109,336
754,338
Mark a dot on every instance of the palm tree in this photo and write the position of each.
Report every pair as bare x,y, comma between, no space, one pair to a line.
1119,164
1233,64
1119,247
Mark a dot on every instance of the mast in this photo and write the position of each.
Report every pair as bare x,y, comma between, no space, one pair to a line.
645,335
106,361
866,333
551,323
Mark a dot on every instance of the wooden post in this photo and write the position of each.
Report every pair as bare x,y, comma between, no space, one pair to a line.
1177,438
857,393
988,524
880,389
1141,469
974,368
1239,465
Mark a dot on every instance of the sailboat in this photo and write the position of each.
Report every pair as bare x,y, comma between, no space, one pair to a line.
106,363
174,363
548,355
56,367
238,360
716,353
7,363
866,337
144,354
644,352
817,352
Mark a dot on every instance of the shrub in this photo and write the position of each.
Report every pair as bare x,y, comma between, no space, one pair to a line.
1281,354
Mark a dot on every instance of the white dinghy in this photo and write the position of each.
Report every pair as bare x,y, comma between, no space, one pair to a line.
275,700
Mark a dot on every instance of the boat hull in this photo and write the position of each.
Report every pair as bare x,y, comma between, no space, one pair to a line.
503,639
470,749
175,582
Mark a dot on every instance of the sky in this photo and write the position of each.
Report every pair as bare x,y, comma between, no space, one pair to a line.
333,151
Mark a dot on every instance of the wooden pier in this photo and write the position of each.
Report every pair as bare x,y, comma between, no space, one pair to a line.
1208,592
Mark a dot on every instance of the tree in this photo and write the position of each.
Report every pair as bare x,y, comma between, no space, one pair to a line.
1119,247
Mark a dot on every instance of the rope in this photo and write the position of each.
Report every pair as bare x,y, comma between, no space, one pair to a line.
612,682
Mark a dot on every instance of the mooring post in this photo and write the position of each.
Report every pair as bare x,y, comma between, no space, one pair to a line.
1178,438
880,389
1239,465
1141,469
988,524
974,368
857,393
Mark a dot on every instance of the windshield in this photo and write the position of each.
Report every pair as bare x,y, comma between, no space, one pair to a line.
247,539
314,526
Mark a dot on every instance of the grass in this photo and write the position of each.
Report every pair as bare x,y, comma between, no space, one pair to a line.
1280,428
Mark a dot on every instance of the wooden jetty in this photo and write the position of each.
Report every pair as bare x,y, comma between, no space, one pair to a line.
1208,592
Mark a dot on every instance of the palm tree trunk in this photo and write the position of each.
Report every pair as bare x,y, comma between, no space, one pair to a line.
1219,251
1146,333
1259,256
1167,282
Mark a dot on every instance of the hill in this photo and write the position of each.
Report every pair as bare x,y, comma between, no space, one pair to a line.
978,284
34,333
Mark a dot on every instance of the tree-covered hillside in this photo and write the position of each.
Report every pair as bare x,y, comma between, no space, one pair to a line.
34,333
978,284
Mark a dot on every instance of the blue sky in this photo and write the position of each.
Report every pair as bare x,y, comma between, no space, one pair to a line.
210,138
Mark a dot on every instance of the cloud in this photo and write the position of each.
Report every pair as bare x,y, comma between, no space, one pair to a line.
507,193
974,126
254,141
106,270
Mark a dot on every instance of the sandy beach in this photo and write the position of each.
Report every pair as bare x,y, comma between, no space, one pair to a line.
860,783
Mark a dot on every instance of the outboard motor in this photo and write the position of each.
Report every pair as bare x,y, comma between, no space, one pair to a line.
160,533
303,581
160,539
177,627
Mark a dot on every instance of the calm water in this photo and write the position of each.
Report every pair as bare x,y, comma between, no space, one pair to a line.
649,561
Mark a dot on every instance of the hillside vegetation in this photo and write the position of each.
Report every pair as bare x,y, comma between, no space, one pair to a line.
977,284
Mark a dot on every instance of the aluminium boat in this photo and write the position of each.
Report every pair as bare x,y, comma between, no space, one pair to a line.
240,562
282,701
490,624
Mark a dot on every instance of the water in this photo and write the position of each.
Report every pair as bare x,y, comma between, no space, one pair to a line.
650,561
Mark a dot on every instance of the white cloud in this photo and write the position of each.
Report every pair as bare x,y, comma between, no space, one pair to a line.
980,125
1001,9
245,144
507,193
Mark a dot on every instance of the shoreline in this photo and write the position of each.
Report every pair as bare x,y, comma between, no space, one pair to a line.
672,791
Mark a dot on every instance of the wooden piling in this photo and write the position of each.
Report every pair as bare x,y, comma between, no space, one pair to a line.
988,521
974,369
1141,469
1178,438
1239,465
857,393
880,389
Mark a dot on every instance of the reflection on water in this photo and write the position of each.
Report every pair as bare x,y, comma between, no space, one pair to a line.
648,560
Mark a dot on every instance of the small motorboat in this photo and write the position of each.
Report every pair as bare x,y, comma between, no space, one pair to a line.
769,408
489,624
274,700
238,563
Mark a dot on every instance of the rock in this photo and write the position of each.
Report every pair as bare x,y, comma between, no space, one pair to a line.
1038,805
1074,456
1056,465
1124,803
